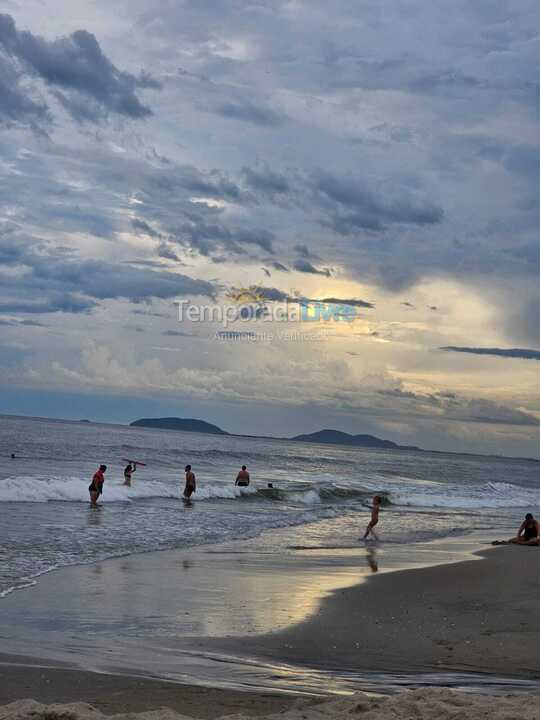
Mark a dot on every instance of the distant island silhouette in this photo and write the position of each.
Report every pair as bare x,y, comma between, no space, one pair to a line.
337,437
181,424
329,437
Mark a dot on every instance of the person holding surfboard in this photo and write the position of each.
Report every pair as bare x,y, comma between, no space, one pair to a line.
191,483
128,472
96,486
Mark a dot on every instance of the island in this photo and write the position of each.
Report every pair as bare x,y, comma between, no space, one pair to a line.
336,437
181,424
329,437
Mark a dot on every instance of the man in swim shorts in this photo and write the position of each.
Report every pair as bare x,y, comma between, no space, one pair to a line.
191,484
242,479
96,486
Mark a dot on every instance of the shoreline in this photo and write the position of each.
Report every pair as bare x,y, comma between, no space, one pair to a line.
468,616
342,625
115,693
439,626
161,614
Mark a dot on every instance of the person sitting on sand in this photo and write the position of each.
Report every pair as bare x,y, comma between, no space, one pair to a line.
96,486
128,472
377,500
191,484
529,532
242,479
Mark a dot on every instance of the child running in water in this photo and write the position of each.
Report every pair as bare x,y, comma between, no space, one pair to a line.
377,500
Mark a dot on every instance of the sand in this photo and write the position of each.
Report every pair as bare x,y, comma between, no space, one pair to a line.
481,616
114,694
433,704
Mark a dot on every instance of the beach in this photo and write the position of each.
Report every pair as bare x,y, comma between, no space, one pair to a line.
260,603
472,617
472,624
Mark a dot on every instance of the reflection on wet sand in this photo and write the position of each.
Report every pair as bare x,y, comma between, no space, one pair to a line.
371,557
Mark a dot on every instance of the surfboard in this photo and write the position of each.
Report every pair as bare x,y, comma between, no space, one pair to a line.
134,461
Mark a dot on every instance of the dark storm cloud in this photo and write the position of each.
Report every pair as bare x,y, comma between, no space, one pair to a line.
279,267
524,160
524,326
246,111
17,106
352,302
140,226
272,294
522,353
305,266
354,206
81,76
56,282
205,236
452,407
305,252
56,303
266,181
176,333
166,252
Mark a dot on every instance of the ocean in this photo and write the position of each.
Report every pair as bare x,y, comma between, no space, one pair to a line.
322,490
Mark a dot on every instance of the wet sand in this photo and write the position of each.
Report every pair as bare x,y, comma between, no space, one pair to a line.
424,704
113,694
481,616
476,616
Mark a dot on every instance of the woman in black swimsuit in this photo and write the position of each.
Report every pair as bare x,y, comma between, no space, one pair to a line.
529,531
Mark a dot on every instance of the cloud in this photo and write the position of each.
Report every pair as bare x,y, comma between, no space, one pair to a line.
246,111
266,181
166,252
73,285
280,267
352,302
17,106
305,252
305,266
521,353
21,323
355,206
450,406
85,81
176,333
64,302
205,236
140,226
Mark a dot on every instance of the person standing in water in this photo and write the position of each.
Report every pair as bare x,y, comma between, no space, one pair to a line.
242,479
191,483
128,472
96,486
377,500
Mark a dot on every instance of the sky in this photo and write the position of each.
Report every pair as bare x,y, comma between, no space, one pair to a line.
382,159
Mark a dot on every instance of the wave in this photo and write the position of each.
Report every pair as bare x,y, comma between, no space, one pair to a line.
26,488
403,493
464,497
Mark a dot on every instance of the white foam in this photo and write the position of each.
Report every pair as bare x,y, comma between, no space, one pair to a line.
488,495
26,488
